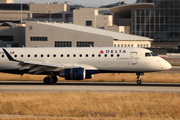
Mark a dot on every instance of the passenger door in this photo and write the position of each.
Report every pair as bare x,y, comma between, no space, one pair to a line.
133,58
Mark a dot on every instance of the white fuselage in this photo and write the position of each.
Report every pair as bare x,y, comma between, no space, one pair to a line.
103,59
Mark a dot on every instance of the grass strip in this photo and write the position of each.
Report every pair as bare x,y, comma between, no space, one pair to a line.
131,105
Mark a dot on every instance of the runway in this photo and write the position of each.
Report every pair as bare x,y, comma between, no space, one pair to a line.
28,86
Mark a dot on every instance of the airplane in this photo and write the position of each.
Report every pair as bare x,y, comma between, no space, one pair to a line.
80,63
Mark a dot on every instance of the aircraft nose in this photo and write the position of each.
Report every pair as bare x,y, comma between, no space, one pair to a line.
166,65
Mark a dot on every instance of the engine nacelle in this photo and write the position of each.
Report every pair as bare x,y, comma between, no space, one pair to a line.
74,74
89,76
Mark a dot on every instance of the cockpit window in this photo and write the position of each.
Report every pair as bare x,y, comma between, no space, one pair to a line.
153,54
147,54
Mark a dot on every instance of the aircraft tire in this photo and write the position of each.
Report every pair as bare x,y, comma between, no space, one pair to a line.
139,82
47,80
54,79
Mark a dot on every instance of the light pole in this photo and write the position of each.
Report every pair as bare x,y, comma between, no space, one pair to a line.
49,16
21,26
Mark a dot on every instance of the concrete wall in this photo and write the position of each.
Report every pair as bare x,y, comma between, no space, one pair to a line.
82,15
9,15
6,1
45,8
104,20
61,34
121,29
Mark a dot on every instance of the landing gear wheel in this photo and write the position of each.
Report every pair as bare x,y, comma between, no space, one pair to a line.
54,79
47,80
139,78
139,82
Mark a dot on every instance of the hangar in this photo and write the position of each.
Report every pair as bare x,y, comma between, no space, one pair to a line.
52,34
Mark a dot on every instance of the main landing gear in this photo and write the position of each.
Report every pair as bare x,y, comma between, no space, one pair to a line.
139,78
49,80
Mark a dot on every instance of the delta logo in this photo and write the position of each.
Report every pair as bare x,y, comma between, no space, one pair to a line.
112,51
101,52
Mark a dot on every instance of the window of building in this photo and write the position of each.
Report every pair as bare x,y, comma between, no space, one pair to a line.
6,38
85,44
30,27
131,45
88,23
63,44
46,15
121,45
114,45
39,38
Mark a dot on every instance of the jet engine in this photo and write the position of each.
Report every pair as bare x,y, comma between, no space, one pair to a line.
73,74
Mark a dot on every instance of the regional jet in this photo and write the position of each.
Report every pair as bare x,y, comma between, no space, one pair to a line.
80,63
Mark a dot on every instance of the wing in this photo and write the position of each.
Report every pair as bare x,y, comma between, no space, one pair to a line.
36,67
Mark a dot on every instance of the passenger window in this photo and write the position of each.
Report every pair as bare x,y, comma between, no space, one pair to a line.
15,55
61,55
41,55
118,55
48,55
147,54
153,54
54,55
80,55
74,55
93,55
2,55
35,55
28,55
112,55
21,55
68,55
86,55
99,55
105,55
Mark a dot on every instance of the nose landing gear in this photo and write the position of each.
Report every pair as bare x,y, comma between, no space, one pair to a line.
139,78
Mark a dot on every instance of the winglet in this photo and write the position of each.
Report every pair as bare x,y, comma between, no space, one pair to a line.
8,55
